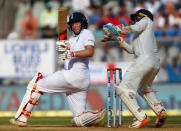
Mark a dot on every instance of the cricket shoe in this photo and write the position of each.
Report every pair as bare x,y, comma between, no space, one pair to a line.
137,124
18,123
102,121
160,121
89,118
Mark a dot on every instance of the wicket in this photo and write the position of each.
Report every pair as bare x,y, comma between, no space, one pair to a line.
114,83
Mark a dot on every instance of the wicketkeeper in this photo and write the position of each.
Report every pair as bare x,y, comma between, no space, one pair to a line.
74,82
144,68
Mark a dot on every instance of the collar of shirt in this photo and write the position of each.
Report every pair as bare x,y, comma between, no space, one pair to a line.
74,35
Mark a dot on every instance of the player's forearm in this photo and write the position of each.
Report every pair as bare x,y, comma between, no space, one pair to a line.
125,46
84,53
127,30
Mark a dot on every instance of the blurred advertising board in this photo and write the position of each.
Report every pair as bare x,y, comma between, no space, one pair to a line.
11,96
23,58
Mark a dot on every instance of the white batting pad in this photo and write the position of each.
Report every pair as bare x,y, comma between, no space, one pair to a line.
128,98
27,95
152,101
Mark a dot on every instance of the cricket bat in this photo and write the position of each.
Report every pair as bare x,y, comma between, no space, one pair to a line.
62,23
62,28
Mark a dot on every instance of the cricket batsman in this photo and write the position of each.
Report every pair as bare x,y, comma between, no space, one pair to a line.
75,81
144,68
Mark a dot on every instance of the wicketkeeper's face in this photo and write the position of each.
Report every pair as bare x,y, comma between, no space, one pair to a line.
76,27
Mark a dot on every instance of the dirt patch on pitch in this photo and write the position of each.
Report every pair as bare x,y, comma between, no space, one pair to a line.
68,128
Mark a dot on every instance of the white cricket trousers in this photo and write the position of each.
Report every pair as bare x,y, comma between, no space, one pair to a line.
76,90
141,74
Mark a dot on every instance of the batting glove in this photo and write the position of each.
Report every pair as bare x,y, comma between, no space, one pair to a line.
67,55
70,54
61,46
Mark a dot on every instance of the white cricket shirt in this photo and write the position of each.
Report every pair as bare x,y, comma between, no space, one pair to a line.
78,67
144,43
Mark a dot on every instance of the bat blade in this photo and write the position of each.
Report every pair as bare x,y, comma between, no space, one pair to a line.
62,30
62,23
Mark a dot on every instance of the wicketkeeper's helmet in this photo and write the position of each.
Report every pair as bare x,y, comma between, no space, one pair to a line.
78,17
140,14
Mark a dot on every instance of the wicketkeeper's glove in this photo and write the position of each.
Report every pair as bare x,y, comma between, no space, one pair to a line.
111,38
119,29
112,32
